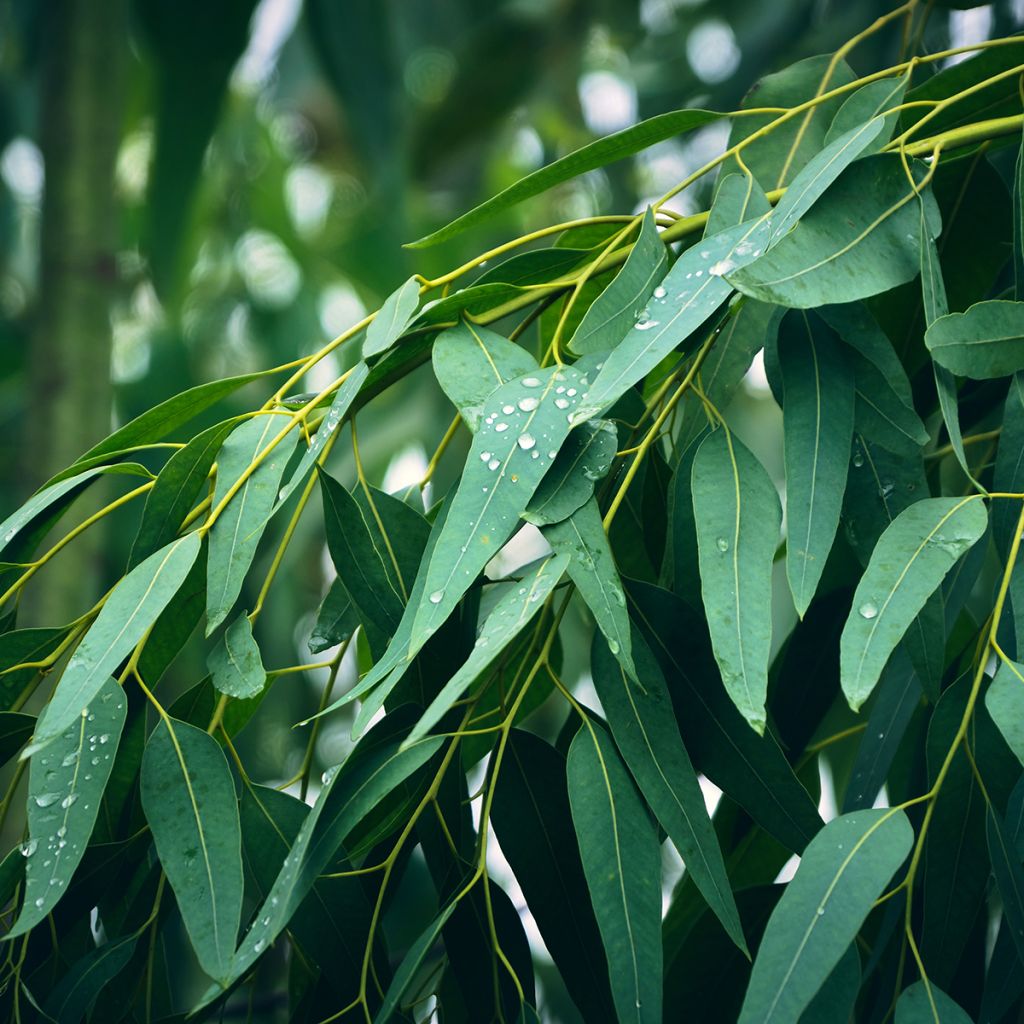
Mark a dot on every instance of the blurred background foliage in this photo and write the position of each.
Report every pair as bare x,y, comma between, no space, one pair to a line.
191,189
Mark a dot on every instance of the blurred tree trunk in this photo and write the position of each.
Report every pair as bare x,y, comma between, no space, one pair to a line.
79,132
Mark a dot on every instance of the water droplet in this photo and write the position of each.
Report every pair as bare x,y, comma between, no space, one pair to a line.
528,404
618,597
484,456
260,943
266,921
571,392
494,464
722,544
721,268
69,759
62,831
552,454
858,459
68,800
821,911
613,646
531,382
659,292
501,428
887,488
45,799
508,409
27,849
39,902
562,403
645,325
868,610
526,441
105,737
437,597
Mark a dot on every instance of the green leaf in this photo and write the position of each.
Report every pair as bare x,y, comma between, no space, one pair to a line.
394,316
622,863
841,874
471,363
1009,876
527,422
870,101
175,491
343,399
130,610
15,730
74,995
738,197
336,619
1018,224
614,312
639,711
511,614
738,517
588,158
818,433
1008,475
1005,702
909,563
236,532
987,341
235,663
836,999
410,965
163,419
533,822
819,173
581,538
687,297
189,799
923,1003
347,797
859,239
65,787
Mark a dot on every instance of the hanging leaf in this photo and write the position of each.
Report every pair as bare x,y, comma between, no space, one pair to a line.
394,316
871,100
471,363
616,309
1008,475
1005,702
986,341
585,458
235,664
907,566
15,731
738,197
737,514
511,614
336,619
923,1003
1009,876
189,799
591,565
639,711
622,864
236,533
687,297
859,239
841,874
65,787
597,154
74,995
130,610
818,433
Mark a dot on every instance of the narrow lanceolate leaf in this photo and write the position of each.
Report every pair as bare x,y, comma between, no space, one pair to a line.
1009,876
1018,224
526,423
510,616
336,619
582,540
74,995
346,798
909,563
1005,702
737,514
859,239
131,608
342,402
175,491
1008,475
925,1004
738,197
410,965
394,317
986,341
622,863
687,297
604,151
820,172
15,730
639,711
585,458
236,533
65,787
533,823
616,309
842,872
471,363
817,432
189,799
235,664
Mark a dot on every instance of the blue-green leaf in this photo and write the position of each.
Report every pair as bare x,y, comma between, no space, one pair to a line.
235,664
842,872
131,608
738,517
189,799
622,863
392,319
1005,702
74,995
907,566
923,1003
986,341
65,787
871,100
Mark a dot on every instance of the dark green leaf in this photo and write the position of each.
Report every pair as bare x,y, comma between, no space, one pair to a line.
923,1003
336,619
1009,875
15,730
986,341
75,993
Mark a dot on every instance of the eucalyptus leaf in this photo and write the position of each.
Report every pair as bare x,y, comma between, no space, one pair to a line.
394,316
924,1003
986,341
1005,702
235,664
